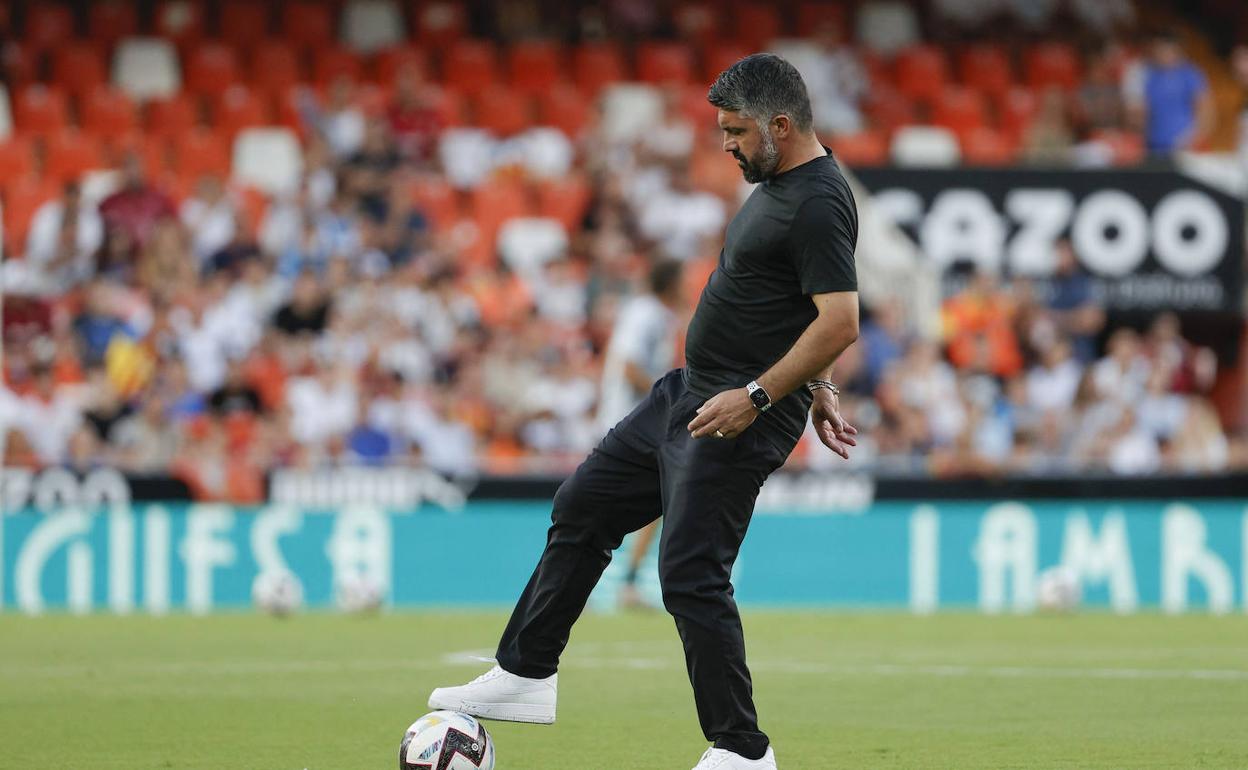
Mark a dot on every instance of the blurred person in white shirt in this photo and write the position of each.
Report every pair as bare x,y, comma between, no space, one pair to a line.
641,349
210,217
680,217
63,239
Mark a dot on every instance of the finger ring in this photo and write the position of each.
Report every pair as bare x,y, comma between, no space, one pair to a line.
719,434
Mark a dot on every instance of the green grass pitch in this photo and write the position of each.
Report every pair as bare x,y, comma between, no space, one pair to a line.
326,692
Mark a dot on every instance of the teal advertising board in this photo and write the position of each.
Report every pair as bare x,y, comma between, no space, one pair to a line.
1175,556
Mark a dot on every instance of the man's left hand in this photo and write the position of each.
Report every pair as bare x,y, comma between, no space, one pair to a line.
729,413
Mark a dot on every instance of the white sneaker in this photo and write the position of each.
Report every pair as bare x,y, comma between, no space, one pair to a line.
719,759
497,694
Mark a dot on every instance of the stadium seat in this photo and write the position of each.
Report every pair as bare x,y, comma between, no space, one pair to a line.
959,109
925,146
238,108
275,66
39,109
984,146
20,64
389,63
887,26
6,113
470,66
172,116
757,24
1017,109
664,62
17,156
48,25
437,200
77,68
70,153
921,72
110,20
307,23
108,113
211,68
718,57
503,111
268,159
330,64
494,204
1126,147
566,200
372,99
1052,64
535,66
697,22
563,107
439,24
200,152
371,25
22,198
152,152
243,23
597,65
986,68
696,109
147,68
866,148
889,110
180,21
812,15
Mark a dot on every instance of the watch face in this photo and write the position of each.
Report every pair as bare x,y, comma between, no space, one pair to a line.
760,399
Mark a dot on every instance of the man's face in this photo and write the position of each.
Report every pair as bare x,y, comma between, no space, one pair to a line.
755,150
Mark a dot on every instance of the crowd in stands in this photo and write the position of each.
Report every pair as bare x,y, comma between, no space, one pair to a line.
438,284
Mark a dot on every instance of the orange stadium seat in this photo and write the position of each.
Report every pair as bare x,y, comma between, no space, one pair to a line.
69,153
22,198
172,116
237,108
180,21
389,63
17,156
372,99
595,65
535,65
110,20
21,64
211,68
813,15
565,199
757,24
889,110
109,113
152,152
308,23
492,206
720,56
921,72
330,64
695,107
39,109
243,23
959,109
986,68
984,146
1052,64
470,66
78,67
200,152
275,66
503,111
438,23
1127,146
565,108
697,22
866,148
48,24
437,200
664,62
1017,109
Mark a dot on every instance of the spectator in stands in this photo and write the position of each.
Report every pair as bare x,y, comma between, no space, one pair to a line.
210,217
64,236
98,322
415,120
1098,103
236,394
679,217
1074,304
341,123
978,328
137,208
834,76
1177,111
146,440
883,339
1188,368
1048,139
307,312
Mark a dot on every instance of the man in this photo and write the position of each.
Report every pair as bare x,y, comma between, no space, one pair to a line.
1170,98
641,349
774,316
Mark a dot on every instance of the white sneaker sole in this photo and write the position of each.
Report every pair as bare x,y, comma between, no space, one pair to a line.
502,712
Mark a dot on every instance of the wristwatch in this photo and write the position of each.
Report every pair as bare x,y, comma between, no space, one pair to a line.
758,396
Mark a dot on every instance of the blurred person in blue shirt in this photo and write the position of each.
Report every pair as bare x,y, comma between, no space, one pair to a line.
1173,102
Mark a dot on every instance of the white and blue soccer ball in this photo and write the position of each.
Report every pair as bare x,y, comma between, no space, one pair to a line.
446,740
1058,589
360,594
277,593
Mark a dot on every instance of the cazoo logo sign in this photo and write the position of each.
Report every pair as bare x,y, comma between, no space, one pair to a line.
1152,239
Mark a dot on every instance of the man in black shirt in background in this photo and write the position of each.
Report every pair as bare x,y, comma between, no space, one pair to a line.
777,312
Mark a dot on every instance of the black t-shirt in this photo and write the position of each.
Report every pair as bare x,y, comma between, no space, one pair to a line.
793,237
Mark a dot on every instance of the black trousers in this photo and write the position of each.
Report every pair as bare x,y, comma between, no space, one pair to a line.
705,490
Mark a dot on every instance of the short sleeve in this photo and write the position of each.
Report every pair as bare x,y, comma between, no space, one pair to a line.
822,240
1196,78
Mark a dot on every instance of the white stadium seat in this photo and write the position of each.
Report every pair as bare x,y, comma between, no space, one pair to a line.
268,159
925,146
6,114
371,25
147,68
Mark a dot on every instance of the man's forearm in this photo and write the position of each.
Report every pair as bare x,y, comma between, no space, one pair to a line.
812,356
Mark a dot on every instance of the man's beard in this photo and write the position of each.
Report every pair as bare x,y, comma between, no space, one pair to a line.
763,165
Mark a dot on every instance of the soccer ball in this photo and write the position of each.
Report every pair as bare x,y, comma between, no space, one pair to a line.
277,593
1058,590
360,594
446,740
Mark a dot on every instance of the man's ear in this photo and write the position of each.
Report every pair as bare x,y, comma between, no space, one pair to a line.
781,125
